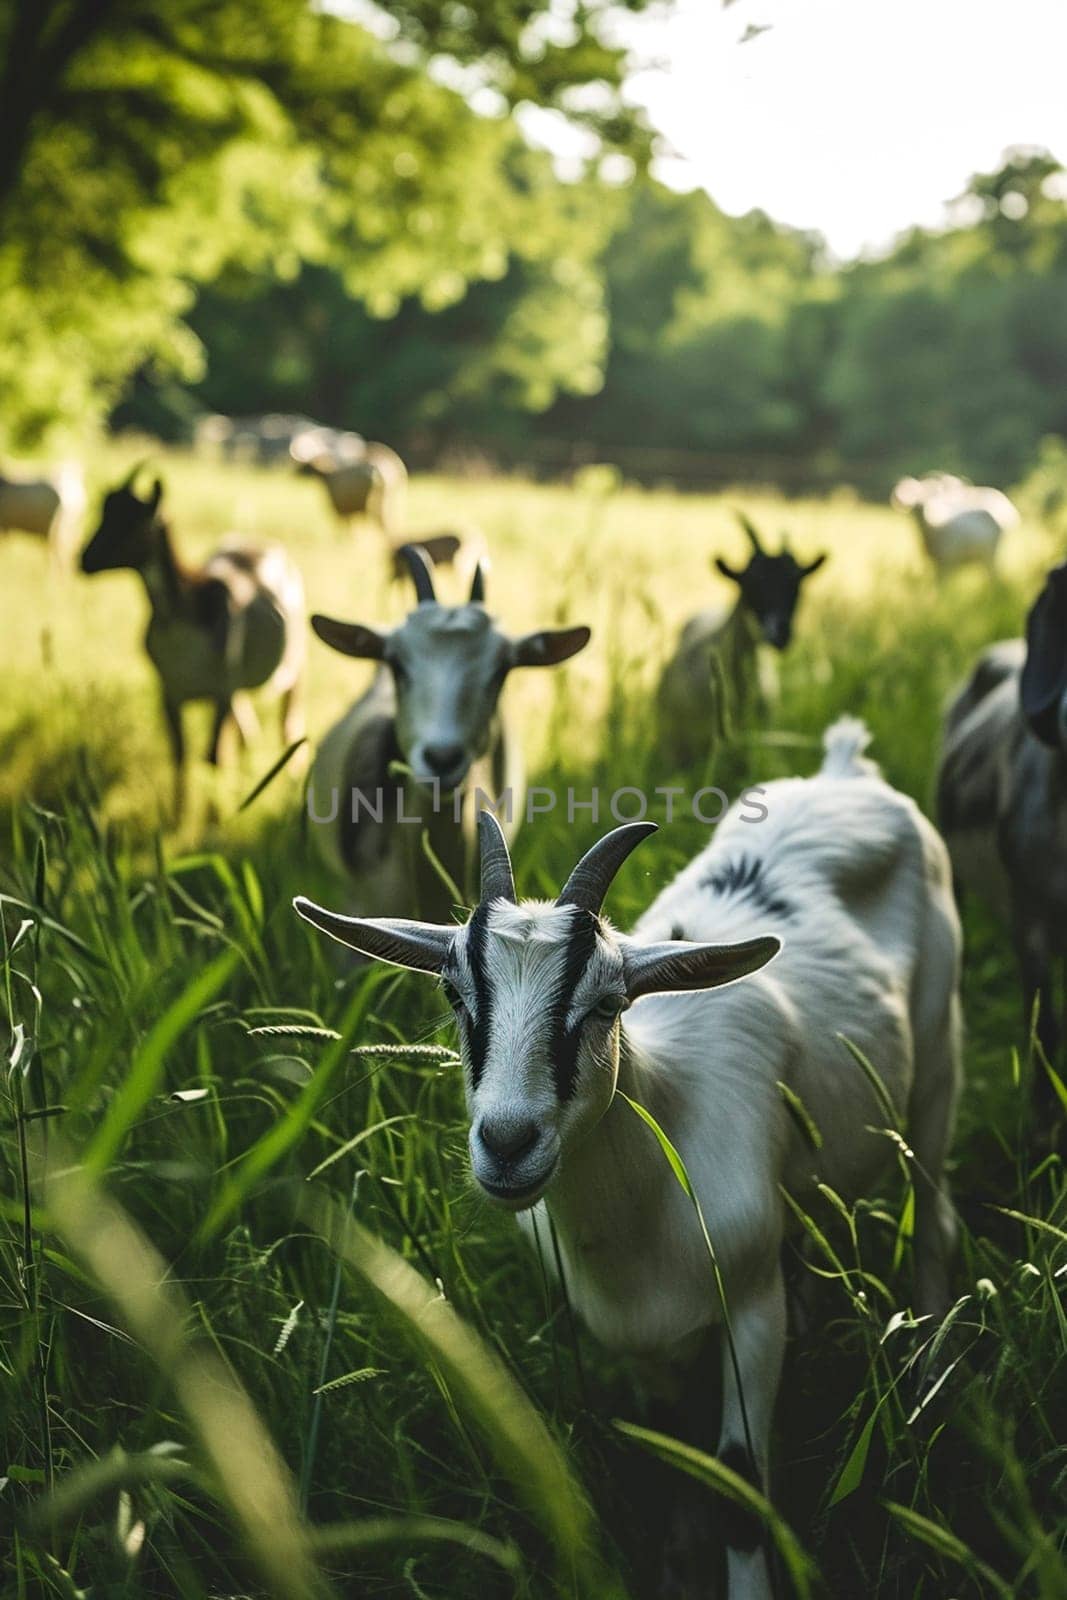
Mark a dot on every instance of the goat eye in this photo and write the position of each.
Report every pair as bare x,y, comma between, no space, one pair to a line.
606,1009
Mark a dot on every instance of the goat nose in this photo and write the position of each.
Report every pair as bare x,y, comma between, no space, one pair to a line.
508,1138
442,758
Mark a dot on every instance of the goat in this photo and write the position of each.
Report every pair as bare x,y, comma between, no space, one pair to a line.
236,623
433,705
1002,801
361,478
849,887
718,651
959,524
49,508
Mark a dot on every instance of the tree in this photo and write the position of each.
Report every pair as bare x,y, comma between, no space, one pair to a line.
700,308
533,328
145,145
950,353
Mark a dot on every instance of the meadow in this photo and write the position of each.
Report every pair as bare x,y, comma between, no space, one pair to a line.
257,1333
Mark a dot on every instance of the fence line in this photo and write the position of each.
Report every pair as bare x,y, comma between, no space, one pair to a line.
647,464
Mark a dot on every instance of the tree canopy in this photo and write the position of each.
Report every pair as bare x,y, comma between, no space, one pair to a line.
150,146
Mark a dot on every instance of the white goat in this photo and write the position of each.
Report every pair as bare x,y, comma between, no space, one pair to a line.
236,623
718,651
433,705
959,524
361,478
1002,802
851,884
51,508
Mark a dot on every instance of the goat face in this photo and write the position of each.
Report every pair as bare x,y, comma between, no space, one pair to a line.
1043,685
448,665
770,590
125,535
538,990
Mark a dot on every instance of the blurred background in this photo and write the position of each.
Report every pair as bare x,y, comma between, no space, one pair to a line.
794,243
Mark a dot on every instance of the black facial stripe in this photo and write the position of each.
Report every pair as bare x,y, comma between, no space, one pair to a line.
478,1032
563,1041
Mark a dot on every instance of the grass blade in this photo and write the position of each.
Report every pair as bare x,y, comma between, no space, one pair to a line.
374,1531
250,1475
516,1433
723,1480
275,1144
270,775
143,1079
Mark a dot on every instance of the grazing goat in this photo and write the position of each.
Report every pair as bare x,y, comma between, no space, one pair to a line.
718,652
959,525
849,886
235,623
1002,800
434,706
361,478
51,508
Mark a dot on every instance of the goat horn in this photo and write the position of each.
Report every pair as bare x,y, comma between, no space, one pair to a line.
420,570
749,528
138,466
478,585
498,882
591,878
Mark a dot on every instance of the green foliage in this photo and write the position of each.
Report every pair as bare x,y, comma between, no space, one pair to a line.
950,353
735,335
146,148
535,324
638,319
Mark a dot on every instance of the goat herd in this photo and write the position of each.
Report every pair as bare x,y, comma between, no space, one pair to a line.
831,900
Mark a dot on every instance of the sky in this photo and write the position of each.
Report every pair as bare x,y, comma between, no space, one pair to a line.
855,117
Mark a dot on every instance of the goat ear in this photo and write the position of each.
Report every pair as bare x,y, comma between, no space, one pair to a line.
1044,676
422,946
813,566
673,966
726,570
156,496
350,638
548,648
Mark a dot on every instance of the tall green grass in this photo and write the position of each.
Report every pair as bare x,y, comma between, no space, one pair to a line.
257,1332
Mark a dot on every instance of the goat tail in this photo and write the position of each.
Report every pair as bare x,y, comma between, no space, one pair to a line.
844,743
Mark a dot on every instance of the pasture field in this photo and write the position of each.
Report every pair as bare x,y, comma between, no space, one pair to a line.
262,1337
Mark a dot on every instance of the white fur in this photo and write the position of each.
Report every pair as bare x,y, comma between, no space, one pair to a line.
51,508
958,523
